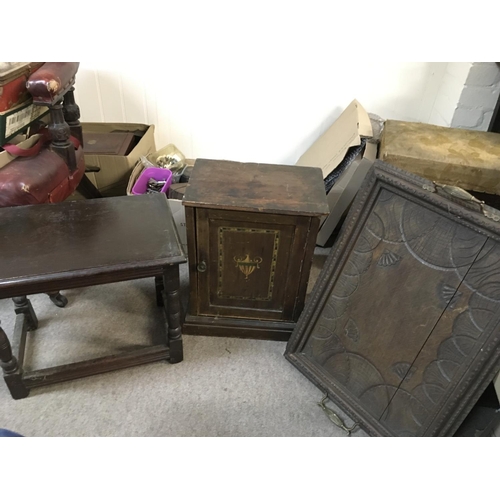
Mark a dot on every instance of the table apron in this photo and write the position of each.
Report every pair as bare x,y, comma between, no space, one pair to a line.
72,279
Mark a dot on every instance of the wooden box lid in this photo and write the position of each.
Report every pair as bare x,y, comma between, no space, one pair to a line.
257,187
469,159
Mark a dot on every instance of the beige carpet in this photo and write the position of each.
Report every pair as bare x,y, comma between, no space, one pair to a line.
224,386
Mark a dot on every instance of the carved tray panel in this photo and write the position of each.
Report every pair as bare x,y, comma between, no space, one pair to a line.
403,308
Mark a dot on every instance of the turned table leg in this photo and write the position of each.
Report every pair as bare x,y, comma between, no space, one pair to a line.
159,290
12,373
172,304
23,306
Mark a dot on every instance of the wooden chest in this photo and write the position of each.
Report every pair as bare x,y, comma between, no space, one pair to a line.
403,327
251,231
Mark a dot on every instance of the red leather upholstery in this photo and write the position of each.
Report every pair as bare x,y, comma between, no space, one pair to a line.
44,178
48,84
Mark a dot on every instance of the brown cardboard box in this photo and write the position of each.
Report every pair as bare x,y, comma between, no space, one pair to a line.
469,159
327,153
115,171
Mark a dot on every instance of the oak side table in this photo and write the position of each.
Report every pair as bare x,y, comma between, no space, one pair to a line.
45,248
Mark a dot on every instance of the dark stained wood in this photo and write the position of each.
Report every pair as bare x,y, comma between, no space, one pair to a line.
192,259
90,242
172,305
224,289
159,290
71,371
257,187
12,373
114,239
23,306
403,326
71,112
308,250
250,249
238,328
60,134
58,299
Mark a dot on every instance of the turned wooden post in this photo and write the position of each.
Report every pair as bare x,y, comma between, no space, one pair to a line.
71,112
172,304
159,290
12,374
23,306
60,133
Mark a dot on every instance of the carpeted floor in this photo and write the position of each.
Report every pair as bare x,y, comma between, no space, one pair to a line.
224,386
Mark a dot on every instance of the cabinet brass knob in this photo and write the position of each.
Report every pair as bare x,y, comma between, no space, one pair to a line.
202,266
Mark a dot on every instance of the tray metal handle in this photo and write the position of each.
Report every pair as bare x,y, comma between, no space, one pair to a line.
334,418
461,195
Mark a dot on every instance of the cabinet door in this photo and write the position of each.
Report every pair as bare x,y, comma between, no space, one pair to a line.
249,265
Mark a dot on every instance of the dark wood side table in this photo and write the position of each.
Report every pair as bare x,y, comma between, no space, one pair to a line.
80,243
251,232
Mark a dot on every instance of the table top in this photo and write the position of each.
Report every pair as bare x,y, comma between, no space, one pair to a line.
257,187
118,238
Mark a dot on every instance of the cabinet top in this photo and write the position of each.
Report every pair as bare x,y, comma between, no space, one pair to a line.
257,187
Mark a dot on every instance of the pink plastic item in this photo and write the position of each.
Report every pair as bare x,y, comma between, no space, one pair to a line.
158,174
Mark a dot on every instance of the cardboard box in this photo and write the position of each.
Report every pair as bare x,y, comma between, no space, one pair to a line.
465,158
327,153
115,171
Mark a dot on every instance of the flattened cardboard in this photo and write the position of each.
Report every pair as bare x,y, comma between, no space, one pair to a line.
341,195
327,153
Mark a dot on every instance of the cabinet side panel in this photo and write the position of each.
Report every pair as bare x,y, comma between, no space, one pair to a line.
306,257
191,244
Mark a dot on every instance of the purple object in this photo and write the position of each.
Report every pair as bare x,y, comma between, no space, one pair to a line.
158,174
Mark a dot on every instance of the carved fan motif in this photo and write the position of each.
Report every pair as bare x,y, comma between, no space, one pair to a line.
388,258
401,369
449,294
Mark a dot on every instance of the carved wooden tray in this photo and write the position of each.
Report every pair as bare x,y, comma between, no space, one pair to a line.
402,329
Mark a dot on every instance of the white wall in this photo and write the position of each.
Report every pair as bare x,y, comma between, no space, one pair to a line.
479,97
266,110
